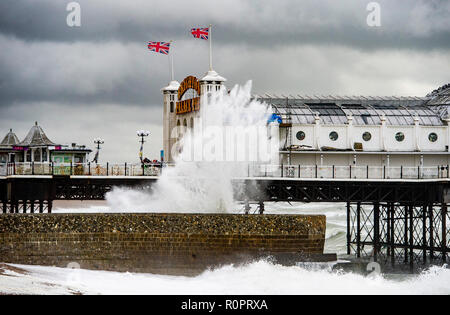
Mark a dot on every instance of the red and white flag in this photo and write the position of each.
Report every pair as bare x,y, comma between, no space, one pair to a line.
159,47
202,33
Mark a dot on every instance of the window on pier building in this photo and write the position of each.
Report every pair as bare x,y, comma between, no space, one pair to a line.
400,136
37,155
301,135
367,136
28,155
432,137
334,136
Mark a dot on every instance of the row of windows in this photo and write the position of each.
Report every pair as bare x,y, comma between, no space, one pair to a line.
367,136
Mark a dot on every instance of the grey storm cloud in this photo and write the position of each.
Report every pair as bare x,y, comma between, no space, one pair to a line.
102,71
408,24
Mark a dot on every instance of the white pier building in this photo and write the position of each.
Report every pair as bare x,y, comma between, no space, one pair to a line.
336,131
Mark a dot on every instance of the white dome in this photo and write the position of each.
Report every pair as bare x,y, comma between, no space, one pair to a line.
173,86
213,76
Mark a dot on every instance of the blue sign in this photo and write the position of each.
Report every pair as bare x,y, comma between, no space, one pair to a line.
275,118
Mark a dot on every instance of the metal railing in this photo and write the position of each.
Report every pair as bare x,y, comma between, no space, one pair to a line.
349,172
254,170
79,169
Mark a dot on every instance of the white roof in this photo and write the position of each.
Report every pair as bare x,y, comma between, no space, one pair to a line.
213,76
173,86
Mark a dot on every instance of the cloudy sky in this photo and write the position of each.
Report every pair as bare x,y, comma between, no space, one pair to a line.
99,80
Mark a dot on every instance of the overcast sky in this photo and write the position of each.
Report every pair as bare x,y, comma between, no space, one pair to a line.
99,80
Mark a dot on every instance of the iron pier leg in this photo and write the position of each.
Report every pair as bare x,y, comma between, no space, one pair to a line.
358,230
5,206
411,238
388,230
444,232
376,230
41,206
431,218
32,206
49,206
17,206
424,233
24,206
405,237
392,240
349,236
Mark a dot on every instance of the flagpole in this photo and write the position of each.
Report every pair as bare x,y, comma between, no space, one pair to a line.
173,76
171,64
210,48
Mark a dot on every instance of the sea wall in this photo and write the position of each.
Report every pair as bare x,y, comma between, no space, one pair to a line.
181,244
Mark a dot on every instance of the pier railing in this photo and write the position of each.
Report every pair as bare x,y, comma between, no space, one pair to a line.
350,172
79,169
252,170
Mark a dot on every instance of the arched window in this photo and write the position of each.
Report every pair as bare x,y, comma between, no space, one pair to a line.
192,122
172,106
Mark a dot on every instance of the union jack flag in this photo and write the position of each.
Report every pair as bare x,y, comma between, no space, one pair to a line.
159,47
202,33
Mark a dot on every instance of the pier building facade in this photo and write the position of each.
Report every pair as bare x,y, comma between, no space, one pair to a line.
327,131
36,147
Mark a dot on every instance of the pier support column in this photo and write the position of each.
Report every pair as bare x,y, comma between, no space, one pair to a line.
49,206
349,230
358,230
376,230
388,229
32,206
431,218
392,233
405,236
444,212
411,238
41,206
424,233
4,206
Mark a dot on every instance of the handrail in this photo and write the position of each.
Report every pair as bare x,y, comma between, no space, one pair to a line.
251,170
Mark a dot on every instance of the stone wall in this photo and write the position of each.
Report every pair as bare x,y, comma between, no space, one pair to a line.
155,243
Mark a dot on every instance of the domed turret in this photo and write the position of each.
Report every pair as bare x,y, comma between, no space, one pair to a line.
10,139
212,82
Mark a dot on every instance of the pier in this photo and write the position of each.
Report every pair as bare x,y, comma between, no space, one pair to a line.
396,216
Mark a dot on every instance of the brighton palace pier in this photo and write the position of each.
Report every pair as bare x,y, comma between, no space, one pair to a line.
387,134
386,158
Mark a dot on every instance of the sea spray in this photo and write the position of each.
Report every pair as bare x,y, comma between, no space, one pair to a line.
260,278
230,132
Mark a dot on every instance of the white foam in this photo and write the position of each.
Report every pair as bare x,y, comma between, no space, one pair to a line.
258,278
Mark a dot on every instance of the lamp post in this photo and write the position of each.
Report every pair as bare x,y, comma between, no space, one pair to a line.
98,142
142,134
